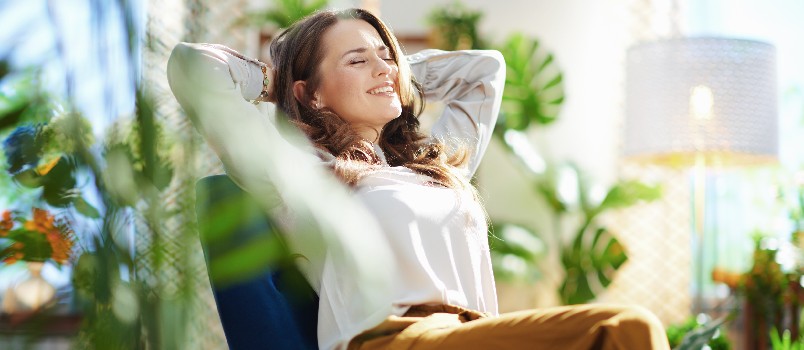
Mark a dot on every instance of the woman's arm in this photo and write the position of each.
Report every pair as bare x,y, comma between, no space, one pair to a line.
212,86
325,223
470,83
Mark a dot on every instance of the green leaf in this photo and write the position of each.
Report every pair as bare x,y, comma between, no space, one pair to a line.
698,338
557,80
590,262
516,251
284,13
627,193
11,115
534,89
249,260
4,68
86,209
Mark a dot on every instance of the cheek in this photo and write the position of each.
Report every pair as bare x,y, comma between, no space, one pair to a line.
340,89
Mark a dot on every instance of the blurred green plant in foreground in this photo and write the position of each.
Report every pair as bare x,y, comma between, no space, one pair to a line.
694,334
785,341
111,188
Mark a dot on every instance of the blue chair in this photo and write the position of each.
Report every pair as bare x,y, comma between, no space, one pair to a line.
268,304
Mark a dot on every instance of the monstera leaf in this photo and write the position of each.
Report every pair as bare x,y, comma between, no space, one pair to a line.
627,193
590,264
517,251
534,88
595,254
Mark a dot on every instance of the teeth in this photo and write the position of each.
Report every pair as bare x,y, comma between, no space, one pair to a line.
380,90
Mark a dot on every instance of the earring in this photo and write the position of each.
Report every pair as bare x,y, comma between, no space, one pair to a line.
317,99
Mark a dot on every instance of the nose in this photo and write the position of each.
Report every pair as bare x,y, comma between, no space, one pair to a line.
384,67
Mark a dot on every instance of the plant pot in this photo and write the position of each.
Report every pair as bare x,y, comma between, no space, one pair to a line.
30,294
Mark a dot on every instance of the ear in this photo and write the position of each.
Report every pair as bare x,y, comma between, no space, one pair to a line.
300,92
299,89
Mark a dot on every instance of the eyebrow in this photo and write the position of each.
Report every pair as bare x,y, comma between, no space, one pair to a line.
364,49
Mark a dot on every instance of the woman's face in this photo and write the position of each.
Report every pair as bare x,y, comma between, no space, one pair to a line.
358,77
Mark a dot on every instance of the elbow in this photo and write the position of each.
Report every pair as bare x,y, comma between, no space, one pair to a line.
196,66
496,58
181,57
187,54
487,66
495,62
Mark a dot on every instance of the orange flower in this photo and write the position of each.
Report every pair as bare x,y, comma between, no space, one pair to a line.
14,258
61,245
6,220
5,223
42,221
47,167
58,234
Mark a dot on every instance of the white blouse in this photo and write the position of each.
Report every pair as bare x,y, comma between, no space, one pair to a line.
392,242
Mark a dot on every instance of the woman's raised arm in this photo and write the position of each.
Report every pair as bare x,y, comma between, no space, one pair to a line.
340,238
212,86
470,83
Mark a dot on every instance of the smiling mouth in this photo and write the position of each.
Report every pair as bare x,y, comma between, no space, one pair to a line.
383,91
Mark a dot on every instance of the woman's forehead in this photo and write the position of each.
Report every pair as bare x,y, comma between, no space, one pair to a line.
351,34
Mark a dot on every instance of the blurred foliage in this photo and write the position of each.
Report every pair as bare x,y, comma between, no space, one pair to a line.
42,156
772,296
22,100
595,253
534,90
696,335
785,341
455,27
592,255
50,158
283,13
516,252
110,304
534,93
765,285
129,165
40,238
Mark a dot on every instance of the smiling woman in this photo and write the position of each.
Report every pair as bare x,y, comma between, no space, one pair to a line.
360,83
405,262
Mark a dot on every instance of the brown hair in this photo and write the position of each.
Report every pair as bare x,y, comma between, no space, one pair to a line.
296,54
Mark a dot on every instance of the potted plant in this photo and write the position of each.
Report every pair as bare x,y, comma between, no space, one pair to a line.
33,240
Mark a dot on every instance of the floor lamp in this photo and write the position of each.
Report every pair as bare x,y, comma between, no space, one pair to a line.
699,103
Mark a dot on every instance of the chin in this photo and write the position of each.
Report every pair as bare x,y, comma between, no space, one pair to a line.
393,115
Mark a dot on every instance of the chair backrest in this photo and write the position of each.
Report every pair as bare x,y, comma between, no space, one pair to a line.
262,299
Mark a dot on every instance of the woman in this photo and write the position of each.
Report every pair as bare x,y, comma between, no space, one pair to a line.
426,279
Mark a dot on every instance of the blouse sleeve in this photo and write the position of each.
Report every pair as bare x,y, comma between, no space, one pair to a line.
470,83
212,86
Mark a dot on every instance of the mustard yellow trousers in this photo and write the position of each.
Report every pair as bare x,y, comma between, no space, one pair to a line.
561,328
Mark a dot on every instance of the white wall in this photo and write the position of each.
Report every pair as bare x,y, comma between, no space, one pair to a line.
588,39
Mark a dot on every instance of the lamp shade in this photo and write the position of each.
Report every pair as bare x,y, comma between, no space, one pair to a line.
692,97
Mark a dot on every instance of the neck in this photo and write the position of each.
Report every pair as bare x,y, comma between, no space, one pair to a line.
369,134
